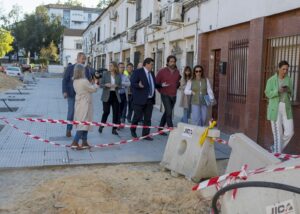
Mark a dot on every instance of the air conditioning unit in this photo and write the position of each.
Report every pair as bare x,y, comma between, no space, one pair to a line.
174,13
155,19
113,15
131,1
131,36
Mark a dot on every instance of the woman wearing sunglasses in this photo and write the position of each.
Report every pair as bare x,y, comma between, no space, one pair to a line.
202,96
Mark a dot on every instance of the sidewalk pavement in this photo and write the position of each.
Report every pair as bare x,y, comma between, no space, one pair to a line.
44,100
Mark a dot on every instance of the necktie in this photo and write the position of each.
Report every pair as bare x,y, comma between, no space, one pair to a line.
150,84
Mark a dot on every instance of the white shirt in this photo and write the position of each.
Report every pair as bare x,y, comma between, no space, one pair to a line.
113,82
188,89
151,81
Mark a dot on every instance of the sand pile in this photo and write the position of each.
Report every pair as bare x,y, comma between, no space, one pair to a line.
120,189
8,82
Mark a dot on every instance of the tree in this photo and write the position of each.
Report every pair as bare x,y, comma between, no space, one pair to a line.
103,3
13,17
6,39
73,3
49,53
37,31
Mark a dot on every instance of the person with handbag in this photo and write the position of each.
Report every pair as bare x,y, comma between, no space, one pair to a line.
201,92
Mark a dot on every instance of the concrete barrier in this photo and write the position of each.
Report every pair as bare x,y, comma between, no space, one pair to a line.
265,200
183,154
246,151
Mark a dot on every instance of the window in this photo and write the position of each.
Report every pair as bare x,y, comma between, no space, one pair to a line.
237,71
98,37
126,24
284,48
138,10
89,17
78,45
190,59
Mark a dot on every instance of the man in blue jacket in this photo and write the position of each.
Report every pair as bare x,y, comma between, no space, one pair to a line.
68,89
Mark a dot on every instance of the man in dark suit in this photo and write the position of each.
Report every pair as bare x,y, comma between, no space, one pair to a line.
68,89
143,95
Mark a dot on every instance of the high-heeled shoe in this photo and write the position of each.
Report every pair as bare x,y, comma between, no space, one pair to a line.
100,129
114,132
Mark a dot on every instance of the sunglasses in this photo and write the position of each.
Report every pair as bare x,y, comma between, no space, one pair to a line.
198,71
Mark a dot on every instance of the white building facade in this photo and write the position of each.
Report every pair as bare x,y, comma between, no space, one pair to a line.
131,30
73,17
71,45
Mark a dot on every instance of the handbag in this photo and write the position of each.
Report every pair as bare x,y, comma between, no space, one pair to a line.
207,100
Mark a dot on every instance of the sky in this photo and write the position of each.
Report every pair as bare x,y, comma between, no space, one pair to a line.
29,6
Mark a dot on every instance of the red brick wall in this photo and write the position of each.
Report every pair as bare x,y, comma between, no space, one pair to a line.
231,115
285,24
249,118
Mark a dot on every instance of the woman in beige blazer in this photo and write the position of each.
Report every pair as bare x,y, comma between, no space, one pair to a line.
83,105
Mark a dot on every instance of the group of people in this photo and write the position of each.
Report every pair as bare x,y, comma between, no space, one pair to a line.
131,95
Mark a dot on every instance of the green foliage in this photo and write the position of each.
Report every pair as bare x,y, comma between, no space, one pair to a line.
49,53
6,39
73,3
37,31
13,16
103,3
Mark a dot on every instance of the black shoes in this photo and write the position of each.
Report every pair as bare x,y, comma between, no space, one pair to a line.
100,129
162,133
148,138
133,134
114,132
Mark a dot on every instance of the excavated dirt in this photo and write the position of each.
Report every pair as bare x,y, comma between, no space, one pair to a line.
7,82
120,189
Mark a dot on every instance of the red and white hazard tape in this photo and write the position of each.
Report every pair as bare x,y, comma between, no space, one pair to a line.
35,137
86,123
278,155
236,174
219,140
285,156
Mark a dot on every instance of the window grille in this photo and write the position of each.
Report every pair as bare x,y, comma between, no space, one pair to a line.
283,48
237,71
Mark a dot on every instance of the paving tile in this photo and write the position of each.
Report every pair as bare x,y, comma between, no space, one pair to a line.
44,100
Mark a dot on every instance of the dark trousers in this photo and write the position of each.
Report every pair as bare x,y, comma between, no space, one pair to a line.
123,107
141,111
130,107
114,103
169,103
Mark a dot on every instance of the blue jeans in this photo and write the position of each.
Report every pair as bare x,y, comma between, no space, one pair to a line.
186,115
70,116
80,135
199,114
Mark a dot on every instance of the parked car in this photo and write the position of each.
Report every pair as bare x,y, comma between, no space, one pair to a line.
2,69
13,71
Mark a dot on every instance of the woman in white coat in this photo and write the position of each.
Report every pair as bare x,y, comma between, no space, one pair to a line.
200,90
83,105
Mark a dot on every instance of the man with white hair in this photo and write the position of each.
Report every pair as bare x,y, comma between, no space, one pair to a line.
68,89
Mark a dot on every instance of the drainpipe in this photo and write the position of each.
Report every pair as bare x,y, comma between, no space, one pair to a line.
197,36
